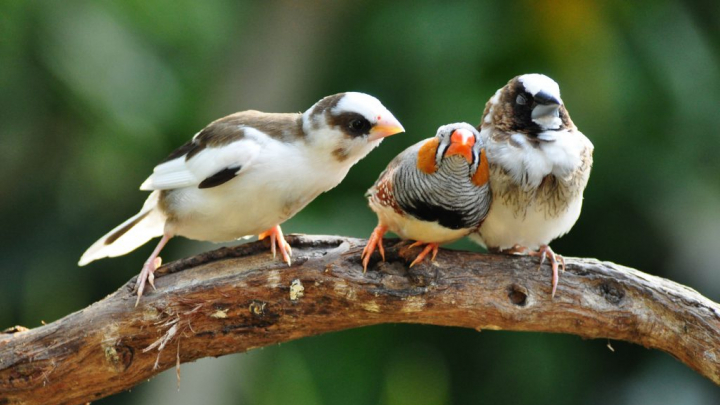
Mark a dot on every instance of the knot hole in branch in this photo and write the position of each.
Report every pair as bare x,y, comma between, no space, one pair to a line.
612,292
518,295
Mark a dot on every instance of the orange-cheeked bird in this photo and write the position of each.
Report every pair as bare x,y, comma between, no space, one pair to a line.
435,192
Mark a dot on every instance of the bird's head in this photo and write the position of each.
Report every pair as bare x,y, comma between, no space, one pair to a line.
529,104
349,125
459,140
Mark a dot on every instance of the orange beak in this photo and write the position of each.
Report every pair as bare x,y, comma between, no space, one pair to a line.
386,126
461,143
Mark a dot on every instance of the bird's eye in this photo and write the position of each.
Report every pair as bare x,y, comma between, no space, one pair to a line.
359,125
521,99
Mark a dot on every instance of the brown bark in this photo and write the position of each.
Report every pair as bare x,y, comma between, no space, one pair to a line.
236,299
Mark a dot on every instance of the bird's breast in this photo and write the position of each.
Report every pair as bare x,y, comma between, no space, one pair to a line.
530,216
529,161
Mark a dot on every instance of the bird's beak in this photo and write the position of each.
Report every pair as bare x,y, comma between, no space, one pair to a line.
386,126
461,143
547,108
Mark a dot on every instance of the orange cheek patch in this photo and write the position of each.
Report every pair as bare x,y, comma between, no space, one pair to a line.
482,174
426,156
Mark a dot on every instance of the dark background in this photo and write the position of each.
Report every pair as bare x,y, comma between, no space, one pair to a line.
94,94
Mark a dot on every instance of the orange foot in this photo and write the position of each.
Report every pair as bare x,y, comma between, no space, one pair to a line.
375,240
546,252
430,247
277,238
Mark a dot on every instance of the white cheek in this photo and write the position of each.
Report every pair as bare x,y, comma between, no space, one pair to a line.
359,147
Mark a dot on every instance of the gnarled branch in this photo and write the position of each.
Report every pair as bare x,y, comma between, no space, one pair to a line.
236,299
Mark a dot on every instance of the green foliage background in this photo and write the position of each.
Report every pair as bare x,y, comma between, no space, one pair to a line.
93,94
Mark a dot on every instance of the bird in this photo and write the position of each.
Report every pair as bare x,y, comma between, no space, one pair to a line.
539,167
434,192
247,173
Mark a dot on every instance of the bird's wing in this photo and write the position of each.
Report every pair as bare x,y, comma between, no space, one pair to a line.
221,151
209,167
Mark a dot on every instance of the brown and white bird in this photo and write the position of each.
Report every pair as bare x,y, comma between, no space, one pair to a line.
247,173
434,192
539,166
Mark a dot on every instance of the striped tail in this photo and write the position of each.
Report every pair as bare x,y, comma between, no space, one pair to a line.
131,234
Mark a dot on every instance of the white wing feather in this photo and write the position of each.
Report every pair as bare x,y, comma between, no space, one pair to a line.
179,172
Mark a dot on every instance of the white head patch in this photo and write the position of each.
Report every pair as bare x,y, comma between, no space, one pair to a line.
534,83
364,104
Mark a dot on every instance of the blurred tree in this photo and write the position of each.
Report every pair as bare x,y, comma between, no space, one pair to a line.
95,93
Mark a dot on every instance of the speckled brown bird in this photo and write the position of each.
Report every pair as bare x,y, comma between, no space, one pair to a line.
247,173
434,192
539,167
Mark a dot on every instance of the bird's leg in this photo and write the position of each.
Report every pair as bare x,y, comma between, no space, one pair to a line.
517,250
151,264
546,252
430,247
277,238
375,240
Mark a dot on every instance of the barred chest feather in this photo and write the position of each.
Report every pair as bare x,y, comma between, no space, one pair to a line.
438,207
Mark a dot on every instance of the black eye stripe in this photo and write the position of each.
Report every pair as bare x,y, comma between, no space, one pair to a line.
351,123
521,112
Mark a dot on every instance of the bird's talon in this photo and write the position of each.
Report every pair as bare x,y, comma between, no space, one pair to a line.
273,249
434,253
428,248
278,243
374,241
545,252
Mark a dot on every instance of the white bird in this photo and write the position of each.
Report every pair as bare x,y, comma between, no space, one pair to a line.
539,167
247,173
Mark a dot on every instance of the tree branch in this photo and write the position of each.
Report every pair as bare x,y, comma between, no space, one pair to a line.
236,299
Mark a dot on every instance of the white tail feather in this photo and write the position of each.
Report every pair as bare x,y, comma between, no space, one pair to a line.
147,224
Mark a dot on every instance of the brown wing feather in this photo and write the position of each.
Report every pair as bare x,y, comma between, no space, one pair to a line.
229,129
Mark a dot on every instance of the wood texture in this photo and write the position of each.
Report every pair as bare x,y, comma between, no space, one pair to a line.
236,299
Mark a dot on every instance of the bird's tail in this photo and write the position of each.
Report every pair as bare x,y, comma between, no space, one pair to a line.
131,234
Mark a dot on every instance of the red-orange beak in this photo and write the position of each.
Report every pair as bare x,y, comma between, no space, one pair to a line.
386,126
461,143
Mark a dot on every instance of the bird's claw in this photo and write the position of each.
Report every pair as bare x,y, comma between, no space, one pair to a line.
374,241
428,248
545,252
147,276
151,277
278,242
